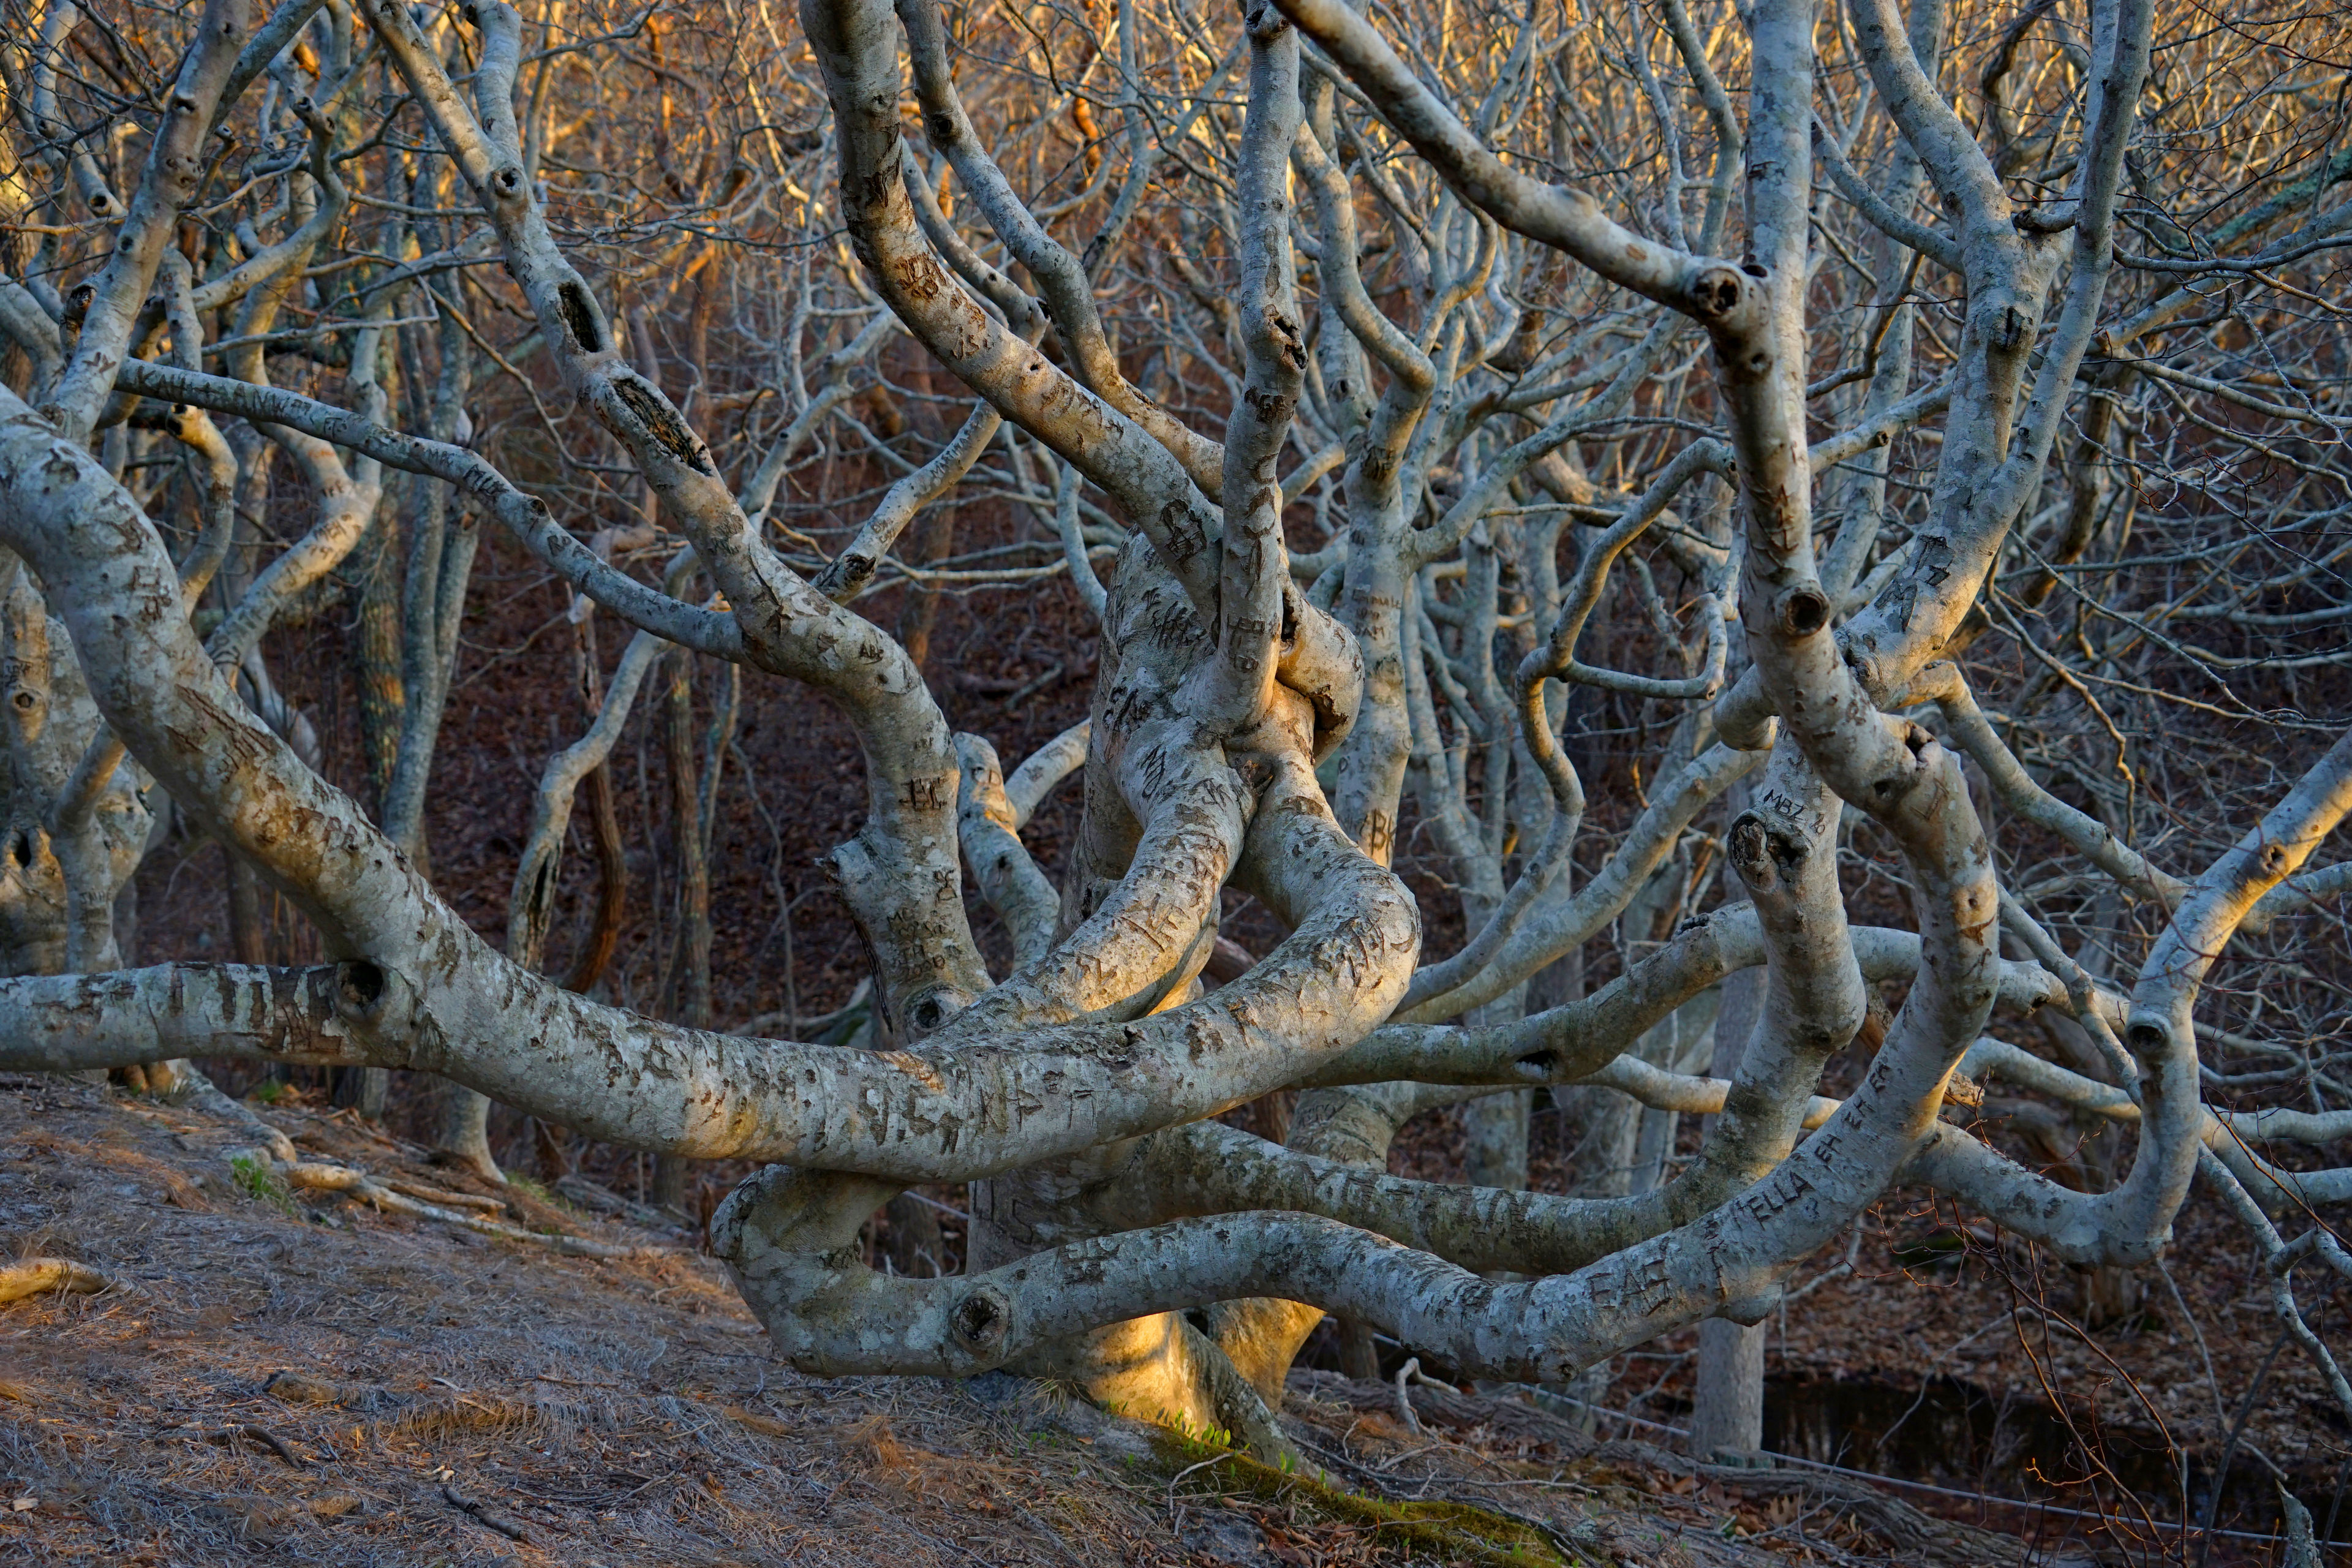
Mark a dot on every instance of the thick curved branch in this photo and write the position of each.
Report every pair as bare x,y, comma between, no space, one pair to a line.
1024,314
1559,925
2131,1222
1945,147
786,1236
1236,684
850,571
527,517
432,995
1712,292
1576,1041
928,964
1557,659
857,46
1008,879
1028,786
71,1023
1987,475
1938,247
177,162
1070,298
1342,279
2161,1033
1151,931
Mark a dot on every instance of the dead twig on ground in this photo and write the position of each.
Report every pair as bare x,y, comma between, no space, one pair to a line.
511,1528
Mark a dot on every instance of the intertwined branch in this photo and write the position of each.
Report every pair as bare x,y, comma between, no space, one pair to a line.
1743,389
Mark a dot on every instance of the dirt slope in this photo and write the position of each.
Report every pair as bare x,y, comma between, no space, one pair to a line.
287,1376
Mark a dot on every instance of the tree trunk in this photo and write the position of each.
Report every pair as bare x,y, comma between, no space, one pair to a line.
1728,1414
1496,1130
376,652
693,960
934,542
1727,1394
588,965
1360,1354
462,1136
383,704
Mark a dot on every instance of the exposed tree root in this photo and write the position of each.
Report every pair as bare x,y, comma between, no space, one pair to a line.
35,1276
1458,1532
313,1176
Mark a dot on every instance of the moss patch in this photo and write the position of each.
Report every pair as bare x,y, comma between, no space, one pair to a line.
1456,1532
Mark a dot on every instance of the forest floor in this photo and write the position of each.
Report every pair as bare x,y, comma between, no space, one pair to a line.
289,1376
1945,1352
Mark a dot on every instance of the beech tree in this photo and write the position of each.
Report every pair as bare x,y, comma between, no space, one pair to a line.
1414,400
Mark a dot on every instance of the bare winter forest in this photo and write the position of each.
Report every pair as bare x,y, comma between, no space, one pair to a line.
1124,781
